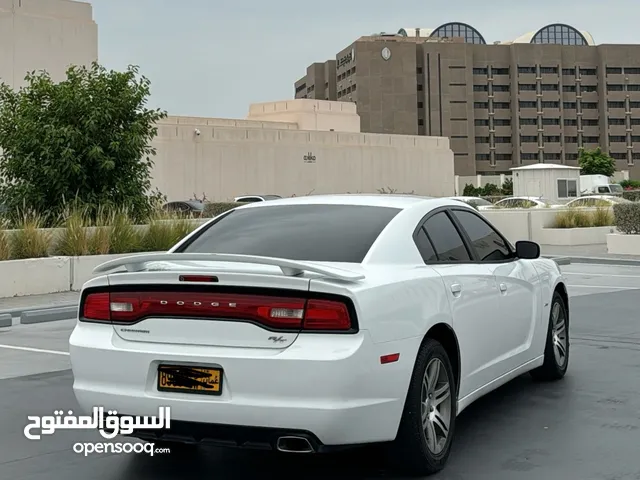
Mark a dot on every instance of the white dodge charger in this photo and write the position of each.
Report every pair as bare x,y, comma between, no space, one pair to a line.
317,323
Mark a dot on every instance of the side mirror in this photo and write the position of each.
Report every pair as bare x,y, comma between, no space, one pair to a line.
527,250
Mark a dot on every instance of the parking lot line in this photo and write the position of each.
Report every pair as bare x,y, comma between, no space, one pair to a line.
36,350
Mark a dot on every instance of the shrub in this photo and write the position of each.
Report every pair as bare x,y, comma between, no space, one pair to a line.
633,195
602,217
30,240
5,247
574,218
214,209
74,240
627,217
164,234
630,184
123,236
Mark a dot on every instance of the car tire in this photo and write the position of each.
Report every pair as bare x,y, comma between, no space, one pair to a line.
420,447
556,350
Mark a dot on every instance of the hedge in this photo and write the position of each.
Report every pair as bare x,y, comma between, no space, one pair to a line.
627,217
633,195
214,209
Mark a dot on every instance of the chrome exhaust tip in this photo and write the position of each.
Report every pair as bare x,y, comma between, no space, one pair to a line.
293,444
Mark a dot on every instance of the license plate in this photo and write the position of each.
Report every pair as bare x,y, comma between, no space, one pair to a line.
186,379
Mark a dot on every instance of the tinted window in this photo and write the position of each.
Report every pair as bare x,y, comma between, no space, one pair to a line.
322,233
424,246
489,245
446,239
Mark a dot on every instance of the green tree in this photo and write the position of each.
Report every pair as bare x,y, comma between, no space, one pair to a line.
596,162
86,139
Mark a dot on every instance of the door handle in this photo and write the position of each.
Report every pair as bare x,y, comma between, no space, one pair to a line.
456,288
503,287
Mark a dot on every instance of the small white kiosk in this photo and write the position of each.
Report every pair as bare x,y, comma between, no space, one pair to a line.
558,183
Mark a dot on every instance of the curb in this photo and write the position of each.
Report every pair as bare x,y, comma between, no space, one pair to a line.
48,315
6,320
597,261
19,311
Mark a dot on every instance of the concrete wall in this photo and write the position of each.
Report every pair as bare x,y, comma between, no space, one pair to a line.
236,157
45,35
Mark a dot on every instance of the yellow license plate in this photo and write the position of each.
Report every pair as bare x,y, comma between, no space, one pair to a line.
186,379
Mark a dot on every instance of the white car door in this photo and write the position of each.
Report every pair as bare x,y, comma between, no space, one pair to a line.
473,296
519,305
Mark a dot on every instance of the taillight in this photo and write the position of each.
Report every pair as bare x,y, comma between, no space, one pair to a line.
272,312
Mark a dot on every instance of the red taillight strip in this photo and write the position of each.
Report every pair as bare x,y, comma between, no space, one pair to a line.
279,313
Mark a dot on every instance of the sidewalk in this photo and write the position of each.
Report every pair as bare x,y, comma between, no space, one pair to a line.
17,305
589,253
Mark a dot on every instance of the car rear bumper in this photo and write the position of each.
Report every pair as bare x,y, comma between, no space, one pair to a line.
330,387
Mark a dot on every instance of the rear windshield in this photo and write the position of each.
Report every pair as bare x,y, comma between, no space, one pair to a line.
321,233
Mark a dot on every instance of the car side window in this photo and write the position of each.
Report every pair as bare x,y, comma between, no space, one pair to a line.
489,244
425,247
446,240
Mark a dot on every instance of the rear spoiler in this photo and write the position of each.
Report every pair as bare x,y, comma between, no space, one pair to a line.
291,268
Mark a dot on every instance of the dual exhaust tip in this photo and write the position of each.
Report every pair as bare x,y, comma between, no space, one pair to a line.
294,444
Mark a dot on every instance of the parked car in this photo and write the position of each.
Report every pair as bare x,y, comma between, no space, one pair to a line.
317,323
597,201
526,202
476,202
187,208
255,198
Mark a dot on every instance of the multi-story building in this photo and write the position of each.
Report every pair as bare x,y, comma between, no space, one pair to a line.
539,98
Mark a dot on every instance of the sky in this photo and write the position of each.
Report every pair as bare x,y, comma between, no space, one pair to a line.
213,58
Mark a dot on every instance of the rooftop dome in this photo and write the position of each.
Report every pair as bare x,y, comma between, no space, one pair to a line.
557,34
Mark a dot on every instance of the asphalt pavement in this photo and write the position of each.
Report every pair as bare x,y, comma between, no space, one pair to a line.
586,427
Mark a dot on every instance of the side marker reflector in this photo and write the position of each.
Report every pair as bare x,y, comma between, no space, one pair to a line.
393,357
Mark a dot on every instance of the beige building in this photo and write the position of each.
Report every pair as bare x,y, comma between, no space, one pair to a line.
295,147
539,98
45,35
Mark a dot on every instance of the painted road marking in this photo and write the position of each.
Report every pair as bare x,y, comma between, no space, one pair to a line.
35,350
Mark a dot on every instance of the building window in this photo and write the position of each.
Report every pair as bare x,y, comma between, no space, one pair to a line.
570,122
568,71
588,72
480,71
635,138
549,87
523,104
483,156
550,104
633,88
589,106
502,139
503,156
548,70
528,121
570,156
480,88
529,156
632,70
569,105
591,139
458,101
526,87
420,87
420,104
615,88
500,71
419,70
617,139
614,70
501,105
459,136
634,104
615,121
481,122
552,139
501,88
552,156
482,139
568,88
528,138
420,122
551,121
502,122
480,105
570,139
459,30
526,69
589,122
618,156
615,104
589,88
635,121
567,188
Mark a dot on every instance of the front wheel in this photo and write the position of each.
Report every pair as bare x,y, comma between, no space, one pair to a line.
427,426
556,351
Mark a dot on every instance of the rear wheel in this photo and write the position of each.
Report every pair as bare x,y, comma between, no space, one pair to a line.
556,352
426,430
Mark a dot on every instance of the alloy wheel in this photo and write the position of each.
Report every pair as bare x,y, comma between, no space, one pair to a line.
559,333
437,404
